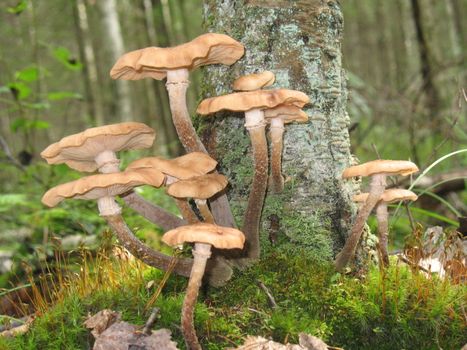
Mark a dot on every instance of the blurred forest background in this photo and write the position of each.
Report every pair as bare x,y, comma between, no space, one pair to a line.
406,68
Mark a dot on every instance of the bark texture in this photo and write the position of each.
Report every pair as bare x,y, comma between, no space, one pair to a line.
300,42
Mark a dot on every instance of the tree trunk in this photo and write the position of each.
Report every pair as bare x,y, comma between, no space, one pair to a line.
300,42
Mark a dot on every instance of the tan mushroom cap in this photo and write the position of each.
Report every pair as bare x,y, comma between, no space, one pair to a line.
200,187
254,81
153,62
78,151
184,167
245,101
389,167
218,236
389,196
287,113
103,185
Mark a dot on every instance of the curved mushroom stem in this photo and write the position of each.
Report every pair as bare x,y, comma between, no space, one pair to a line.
186,211
107,162
201,254
204,210
142,252
276,132
177,84
256,127
377,186
157,215
382,216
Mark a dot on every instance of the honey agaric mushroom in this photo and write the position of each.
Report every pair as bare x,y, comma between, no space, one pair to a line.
199,188
104,187
277,117
95,148
388,196
174,63
253,103
254,81
378,170
203,235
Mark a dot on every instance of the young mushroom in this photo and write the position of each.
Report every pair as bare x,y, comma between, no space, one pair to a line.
388,196
104,188
277,117
253,103
254,81
199,188
95,149
203,235
174,63
378,170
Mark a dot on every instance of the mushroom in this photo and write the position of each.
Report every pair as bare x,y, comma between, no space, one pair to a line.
174,63
277,117
199,188
204,235
388,196
378,170
181,168
104,188
253,103
95,149
254,81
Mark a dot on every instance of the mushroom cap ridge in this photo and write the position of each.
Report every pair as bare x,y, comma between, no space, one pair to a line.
389,196
288,114
380,166
153,62
78,151
103,185
218,236
200,187
254,81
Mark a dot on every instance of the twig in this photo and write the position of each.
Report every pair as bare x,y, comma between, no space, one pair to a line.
272,302
151,320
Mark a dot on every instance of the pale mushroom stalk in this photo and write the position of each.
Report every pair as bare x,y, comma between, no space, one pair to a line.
383,229
177,85
276,132
255,124
377,186
107,162
142,252
204,210
201,254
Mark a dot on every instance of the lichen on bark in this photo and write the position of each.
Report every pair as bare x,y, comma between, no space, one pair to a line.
300,42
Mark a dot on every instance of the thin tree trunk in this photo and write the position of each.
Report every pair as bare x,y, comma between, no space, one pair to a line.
300,42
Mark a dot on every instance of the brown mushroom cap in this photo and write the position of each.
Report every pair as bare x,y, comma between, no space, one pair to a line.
245,101
102,185
379,166
218,236
389,196
153,62
254,81
287,113
184,167
200,187
78,151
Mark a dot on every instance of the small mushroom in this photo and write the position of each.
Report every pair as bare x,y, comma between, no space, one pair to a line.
277,117
378,170
199,188
388,196
254,81
253,103
204,236
104,188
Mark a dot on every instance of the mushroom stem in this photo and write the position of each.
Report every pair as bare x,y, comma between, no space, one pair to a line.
142,252
256,127
107,162
276,132
177,84
186,211
108,206
157,215
377,186
382,217
204,210
201,253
